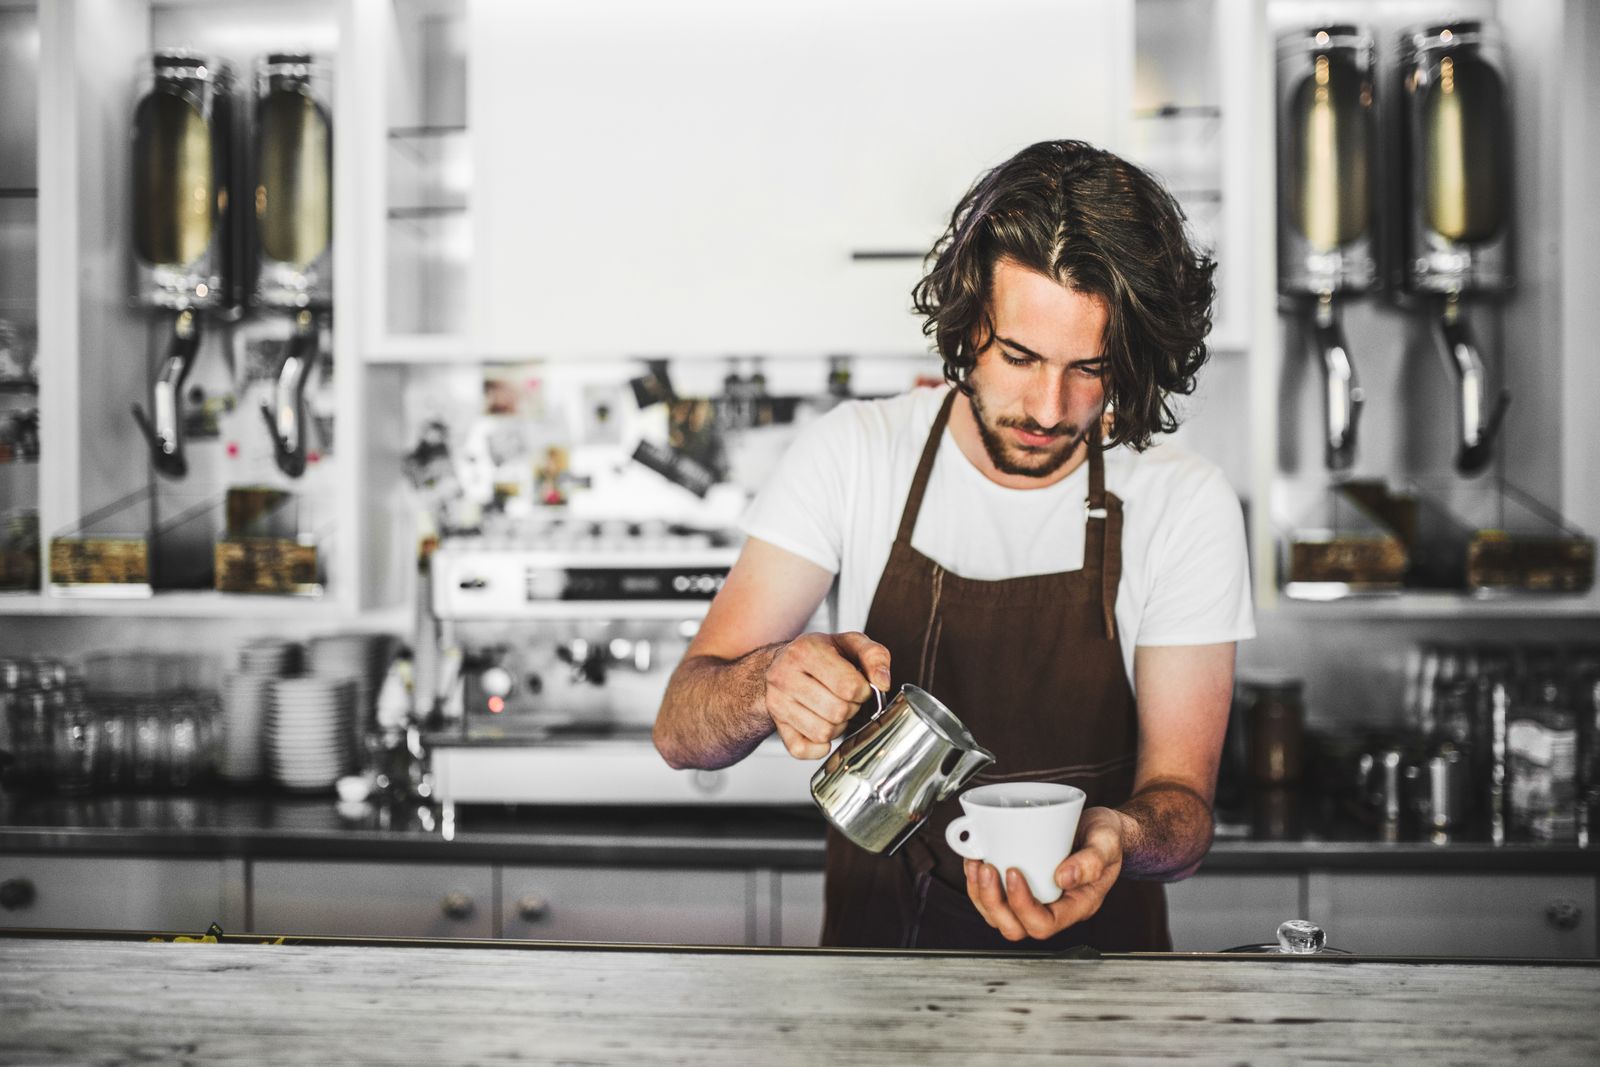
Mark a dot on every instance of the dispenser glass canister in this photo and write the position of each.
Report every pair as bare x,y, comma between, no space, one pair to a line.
1274,729
1325,204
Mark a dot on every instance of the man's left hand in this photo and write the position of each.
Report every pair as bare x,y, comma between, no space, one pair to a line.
1084,877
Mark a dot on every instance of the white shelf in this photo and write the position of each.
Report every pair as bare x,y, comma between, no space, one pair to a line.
1418,604
192,605
642,610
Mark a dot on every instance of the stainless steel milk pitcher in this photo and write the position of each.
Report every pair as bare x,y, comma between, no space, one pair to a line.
878,786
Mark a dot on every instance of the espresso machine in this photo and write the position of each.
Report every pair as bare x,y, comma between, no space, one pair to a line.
186,241
293,213
564,634
1326,221
1455,197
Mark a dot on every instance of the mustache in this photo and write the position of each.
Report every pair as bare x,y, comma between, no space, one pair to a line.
1030,426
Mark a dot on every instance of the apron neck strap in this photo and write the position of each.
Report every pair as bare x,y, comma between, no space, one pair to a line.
1102,508
919,483
1097,476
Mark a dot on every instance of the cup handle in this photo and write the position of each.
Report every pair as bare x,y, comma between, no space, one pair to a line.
962,836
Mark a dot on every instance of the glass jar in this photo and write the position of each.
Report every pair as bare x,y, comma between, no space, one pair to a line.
1542,760
1274,729
74,742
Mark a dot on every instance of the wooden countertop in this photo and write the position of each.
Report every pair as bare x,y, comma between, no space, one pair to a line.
102,1001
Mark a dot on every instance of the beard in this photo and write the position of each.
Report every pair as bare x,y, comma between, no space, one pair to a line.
1024,460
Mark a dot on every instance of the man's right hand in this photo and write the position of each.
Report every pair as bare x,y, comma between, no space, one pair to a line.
816,682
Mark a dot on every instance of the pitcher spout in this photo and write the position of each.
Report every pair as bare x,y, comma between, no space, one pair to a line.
972,761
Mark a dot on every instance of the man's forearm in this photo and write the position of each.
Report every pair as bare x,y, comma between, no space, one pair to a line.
1166,831
714,711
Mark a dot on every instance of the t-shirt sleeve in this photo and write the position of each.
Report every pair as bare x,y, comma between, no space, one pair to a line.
1200,588
801,508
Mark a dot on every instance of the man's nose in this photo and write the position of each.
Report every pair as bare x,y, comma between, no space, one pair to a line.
1048,406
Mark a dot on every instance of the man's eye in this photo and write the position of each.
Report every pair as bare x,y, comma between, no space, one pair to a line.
1015,361
1092,370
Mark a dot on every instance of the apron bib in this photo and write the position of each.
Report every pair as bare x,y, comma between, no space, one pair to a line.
1033,666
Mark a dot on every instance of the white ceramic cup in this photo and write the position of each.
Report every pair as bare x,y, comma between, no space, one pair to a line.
1026,825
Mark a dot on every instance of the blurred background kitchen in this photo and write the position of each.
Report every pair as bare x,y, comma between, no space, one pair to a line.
381,382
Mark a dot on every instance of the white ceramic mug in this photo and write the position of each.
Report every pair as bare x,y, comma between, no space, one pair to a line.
1026,825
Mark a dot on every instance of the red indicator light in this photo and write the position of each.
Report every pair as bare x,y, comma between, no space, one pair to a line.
497,704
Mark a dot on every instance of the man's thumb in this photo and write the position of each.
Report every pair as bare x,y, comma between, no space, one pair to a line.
871,657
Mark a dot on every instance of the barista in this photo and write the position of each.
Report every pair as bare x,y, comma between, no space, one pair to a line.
1014,543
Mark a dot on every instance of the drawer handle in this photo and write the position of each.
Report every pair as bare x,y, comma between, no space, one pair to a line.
16,893
457,905
533,909
1563,914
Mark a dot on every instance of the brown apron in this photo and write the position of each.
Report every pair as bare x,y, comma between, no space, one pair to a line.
1033,667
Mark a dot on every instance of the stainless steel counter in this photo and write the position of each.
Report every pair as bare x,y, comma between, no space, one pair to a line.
275,825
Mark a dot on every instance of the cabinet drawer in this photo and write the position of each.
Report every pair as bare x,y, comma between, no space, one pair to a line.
1545,915
1211,912
105,893
799,912
680,907
373,899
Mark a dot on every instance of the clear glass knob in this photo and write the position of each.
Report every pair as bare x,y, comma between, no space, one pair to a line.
1301,936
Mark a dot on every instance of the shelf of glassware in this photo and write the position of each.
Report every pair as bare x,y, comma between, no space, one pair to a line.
419,258
1192,127
427,237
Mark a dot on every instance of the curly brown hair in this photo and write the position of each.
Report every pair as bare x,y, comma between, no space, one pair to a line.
1099,225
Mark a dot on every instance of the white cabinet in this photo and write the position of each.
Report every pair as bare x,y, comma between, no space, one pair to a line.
1192,125
1542,915
373,899
629,904
716,177
1535,339
99,352
1210,912
117,893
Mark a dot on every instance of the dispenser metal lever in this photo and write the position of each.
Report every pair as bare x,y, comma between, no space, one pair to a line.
164,430
1342,394
286,416
1477,430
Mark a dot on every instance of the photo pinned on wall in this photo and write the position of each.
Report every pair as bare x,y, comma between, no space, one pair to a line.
515,389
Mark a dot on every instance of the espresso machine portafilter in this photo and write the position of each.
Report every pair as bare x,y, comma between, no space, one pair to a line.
1455,190
1325,215
186,247
293,194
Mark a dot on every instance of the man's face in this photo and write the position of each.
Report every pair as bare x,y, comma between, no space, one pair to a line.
1039,387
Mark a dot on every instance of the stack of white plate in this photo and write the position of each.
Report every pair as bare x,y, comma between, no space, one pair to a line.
308,731
244,714
363,658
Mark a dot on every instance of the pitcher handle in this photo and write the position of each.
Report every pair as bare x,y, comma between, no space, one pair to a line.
879,694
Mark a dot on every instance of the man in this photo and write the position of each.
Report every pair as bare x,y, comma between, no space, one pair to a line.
1014,545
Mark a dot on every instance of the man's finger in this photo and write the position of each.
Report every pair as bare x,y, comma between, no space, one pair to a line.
993,906
806,724
1076,906
1035,918
867,654
798,746
811,693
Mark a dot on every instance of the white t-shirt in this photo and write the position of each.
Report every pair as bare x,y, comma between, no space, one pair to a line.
836,498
